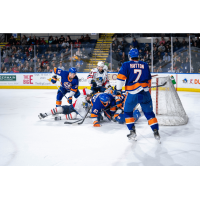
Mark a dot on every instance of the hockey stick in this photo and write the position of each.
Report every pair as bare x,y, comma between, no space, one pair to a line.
159,85
83,119
86,116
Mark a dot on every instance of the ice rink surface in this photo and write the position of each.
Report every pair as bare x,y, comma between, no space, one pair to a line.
27,141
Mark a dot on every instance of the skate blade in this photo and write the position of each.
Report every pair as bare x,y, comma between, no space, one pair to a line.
132,138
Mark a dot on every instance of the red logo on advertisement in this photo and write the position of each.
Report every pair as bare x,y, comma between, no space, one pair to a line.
28,79
191,81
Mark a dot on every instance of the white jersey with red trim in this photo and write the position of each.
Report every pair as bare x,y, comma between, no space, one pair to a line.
81,105
101,78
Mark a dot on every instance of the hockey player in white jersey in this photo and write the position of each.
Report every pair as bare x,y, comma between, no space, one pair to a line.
77,110
98,78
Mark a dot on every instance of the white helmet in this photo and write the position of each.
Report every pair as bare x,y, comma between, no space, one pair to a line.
100,64
105,68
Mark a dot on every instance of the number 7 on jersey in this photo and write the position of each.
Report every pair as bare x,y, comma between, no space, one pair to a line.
139,71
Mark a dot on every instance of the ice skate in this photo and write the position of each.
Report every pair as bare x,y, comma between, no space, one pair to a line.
41,115
132,135
156,135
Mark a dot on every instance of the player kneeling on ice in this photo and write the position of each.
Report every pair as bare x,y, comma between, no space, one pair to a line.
69,84
98,78
101,102
80,107
137,76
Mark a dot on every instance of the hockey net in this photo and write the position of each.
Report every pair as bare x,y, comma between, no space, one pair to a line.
166,103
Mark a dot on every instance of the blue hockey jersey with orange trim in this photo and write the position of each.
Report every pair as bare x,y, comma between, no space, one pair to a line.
136,74
65,81
97,106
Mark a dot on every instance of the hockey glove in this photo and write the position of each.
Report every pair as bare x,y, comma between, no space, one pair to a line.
94,84
109,86
69,100
54,79
96,124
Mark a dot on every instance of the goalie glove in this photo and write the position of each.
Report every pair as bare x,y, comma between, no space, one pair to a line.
69,100
54,79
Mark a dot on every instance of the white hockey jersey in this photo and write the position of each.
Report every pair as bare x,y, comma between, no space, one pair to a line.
81,105
101,79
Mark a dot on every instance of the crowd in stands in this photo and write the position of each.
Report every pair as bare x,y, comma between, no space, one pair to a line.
37,55
161,54
32,54
162,61
120,51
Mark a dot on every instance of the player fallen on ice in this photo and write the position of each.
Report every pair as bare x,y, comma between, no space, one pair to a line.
80,106
69,84
137,76
100,102
98,78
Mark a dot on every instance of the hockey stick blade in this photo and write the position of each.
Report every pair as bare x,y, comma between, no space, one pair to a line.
72,122
159,85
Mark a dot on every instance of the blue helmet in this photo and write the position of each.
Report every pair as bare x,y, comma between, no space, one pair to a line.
133,53
104,98
73,70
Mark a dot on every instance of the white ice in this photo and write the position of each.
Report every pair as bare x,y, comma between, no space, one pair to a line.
27,141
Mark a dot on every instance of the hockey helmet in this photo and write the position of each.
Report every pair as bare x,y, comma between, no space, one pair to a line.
100,64
73,70
133,53
104,98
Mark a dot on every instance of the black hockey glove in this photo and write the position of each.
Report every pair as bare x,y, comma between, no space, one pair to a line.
94,84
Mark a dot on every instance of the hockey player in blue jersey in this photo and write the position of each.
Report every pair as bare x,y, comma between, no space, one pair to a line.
100,102
69,84
137,76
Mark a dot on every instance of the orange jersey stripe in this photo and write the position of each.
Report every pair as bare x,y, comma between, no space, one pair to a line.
121,76
93,115
58,103
135,86
130,120
153,121
55,70
74,90
113,109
